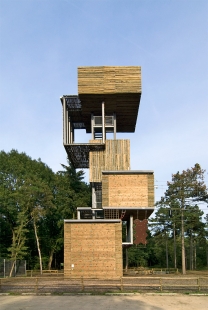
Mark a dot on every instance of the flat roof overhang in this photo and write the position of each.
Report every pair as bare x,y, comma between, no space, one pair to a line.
124,105
128,172
119,87
93,221
139,213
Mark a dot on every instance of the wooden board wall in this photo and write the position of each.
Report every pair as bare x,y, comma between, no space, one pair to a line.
109,80
116,156
127,190
95,249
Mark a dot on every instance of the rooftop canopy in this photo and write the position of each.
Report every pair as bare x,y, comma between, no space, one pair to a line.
118,87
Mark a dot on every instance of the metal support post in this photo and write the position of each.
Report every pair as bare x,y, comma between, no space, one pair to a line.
93,196
132,228
64,120
72,135
67,127
103,120
92,126
114,125
69,130
129,231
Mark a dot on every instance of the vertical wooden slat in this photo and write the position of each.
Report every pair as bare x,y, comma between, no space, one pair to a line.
116,156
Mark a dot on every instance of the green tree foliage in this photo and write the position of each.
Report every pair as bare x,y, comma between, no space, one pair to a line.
34,201
25,195
177,234
178,218
80,193
143,255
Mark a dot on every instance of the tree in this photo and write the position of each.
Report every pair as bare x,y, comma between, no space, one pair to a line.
34,201
38,200
25,192
80,192
18,248
178,208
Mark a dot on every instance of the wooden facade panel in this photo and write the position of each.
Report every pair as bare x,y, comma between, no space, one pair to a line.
116,156
109,80
151,190
127,190
95,249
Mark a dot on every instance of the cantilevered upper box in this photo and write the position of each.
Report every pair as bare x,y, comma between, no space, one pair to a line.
118,87
109,80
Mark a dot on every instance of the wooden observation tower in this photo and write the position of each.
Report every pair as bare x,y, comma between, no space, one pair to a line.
107,102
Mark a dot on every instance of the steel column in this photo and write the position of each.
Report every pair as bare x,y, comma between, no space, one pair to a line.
69,130
92,126
67,127
114,125
64,120
103,120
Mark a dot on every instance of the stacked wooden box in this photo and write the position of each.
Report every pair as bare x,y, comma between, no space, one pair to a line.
118,87
109,80
128,190
93,250
116,156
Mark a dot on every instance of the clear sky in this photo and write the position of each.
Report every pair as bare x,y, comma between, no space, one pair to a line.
42,42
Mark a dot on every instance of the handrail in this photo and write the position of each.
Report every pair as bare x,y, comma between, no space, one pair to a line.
122,283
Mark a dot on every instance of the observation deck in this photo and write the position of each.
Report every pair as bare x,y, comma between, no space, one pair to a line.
119,88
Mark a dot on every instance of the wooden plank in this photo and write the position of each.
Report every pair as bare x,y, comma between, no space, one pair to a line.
109,80
118,87
95,249
127,190
116,156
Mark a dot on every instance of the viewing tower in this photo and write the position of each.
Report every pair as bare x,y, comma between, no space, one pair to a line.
107,103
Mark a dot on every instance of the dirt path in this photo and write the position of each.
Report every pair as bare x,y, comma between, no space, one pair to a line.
138,302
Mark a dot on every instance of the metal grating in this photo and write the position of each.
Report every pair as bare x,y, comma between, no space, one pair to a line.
111,214
86,214
98,186
97,120
79,153
98,195
73,103
109,121
79,125
74,108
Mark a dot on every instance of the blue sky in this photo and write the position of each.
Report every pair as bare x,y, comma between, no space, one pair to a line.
42,42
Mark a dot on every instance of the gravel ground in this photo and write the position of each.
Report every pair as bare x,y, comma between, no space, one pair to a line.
132,302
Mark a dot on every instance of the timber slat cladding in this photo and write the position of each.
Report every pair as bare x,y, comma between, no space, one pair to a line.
151,190
136,190
116,156
105,80
118,87
95,249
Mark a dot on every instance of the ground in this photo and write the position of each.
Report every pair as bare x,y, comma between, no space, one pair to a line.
130,302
